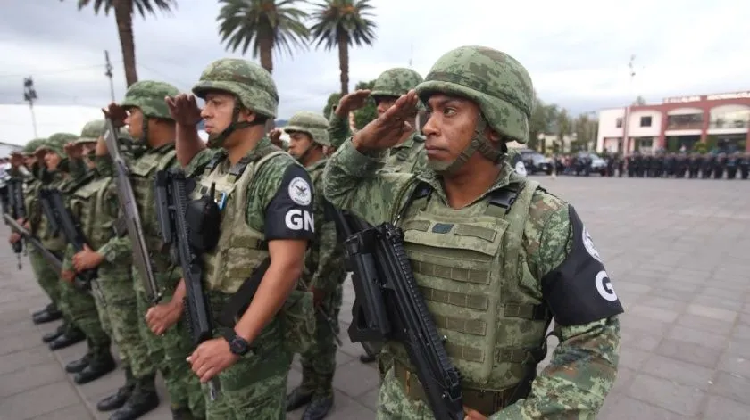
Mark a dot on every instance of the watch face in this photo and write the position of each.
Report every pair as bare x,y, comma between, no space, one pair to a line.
238,346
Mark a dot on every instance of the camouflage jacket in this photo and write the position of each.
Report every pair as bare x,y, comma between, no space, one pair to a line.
583,367
338,129
324,260
408,156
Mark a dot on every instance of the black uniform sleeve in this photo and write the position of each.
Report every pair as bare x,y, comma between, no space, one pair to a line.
579,290
289,215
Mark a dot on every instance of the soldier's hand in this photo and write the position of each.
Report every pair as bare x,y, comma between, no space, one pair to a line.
101,147
161,317
352,102
14,237
68,276
116,113
472,414
86,259
184,109
74,151
390,127
275,135
210,358
39,153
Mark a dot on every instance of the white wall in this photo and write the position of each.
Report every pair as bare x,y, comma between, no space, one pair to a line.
634,124
608,126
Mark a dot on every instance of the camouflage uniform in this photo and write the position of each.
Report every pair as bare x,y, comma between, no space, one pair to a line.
493,272
257,194
324,271
80,305
171,350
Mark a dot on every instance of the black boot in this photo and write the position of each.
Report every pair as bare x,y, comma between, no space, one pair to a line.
318,408
119,398
67,339
298,398
47,316
143,400
77,365
50,307
96,368
50,337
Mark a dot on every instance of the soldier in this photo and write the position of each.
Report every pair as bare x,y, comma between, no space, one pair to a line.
720,163
493,294
149,123
731,165
743,165
696,162
707,165
324,272
408,154
265,199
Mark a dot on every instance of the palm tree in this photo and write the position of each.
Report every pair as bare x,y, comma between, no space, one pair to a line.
343,23
124,18
268,24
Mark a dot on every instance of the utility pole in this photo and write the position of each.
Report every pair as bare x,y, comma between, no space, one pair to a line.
626,122
108,73
29,95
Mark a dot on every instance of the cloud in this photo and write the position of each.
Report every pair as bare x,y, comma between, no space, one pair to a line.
577,52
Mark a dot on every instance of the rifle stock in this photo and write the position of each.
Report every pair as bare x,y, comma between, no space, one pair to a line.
51,258
129,208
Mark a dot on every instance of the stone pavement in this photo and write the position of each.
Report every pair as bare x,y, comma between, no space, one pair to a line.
676,250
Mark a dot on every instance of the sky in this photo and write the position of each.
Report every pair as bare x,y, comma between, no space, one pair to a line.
576,51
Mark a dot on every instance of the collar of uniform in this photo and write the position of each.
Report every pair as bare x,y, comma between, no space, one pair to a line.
504,178
408,143
317,164
164,148
251,155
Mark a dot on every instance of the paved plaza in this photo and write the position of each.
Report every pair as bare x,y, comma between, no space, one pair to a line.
678,253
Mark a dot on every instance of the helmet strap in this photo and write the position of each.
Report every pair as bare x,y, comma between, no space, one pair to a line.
479,143
219,139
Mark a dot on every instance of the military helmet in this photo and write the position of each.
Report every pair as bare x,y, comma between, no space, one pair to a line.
250,83
57,141
396,82
33,144
91,131
498,83
313,124
148,96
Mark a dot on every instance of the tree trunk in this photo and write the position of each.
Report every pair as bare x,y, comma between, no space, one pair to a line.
266,59
344,62
124,19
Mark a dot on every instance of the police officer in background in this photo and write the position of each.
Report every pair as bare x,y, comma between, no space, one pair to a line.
505,259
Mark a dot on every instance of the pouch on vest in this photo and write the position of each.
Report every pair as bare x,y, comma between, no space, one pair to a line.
204,218
298,319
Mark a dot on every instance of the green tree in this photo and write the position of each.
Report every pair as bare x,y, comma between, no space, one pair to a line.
367,113
267,24
123,11
333,99
343,23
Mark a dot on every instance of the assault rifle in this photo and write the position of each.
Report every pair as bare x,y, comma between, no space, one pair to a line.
187,243
17,209
72,232
48,256
392,308
129,207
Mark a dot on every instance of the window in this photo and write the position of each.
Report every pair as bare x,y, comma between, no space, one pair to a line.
730,116
645,121
619,123
685,121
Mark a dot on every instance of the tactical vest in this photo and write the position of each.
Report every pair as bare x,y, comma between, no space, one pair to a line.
241,248
477,284
88,205
142,175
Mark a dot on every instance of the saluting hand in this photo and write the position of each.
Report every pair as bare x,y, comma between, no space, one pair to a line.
184,109
390,127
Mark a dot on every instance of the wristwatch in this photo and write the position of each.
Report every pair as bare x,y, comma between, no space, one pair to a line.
237,344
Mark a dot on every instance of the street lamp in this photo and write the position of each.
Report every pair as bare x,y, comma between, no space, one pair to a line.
29,95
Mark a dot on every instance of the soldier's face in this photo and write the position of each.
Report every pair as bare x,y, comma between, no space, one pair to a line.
299,143
52,160
217,112
135,123
450,126
384,102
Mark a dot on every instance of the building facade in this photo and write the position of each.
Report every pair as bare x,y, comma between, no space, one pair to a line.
721,121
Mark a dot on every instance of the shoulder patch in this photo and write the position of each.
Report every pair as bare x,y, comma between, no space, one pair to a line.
299,191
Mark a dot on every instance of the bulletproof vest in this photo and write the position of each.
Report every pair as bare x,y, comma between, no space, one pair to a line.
142,175
477,284
241,248
87,205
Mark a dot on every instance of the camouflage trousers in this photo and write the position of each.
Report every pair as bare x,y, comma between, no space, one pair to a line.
170,351
393,403
118,313
254,387
81,306
45,276
319,361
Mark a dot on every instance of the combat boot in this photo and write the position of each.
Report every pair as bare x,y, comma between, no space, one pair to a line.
116,400
143,400
47,316
50,337
50,307
297,398
95,369
318,408
67,339
77,365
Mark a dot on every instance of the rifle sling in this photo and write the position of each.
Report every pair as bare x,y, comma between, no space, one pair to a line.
240,300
